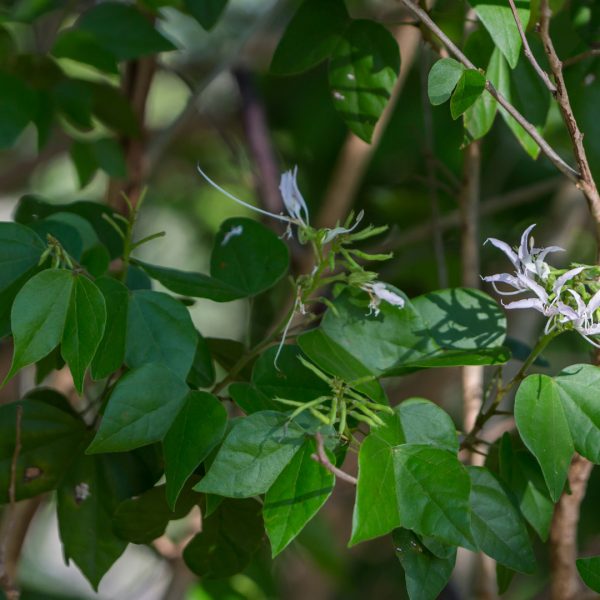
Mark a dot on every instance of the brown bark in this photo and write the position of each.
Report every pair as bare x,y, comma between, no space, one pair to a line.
566,584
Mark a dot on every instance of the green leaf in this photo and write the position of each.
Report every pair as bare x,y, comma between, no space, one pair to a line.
295,497
426,574
335,359
504,577
432,488
498,19
159,330
251,400
253,455
197,429
18,107
443,77
123,30
111,351
229,539
84,160
84,47
73,98
363,69
196,285
206,12
251,262
109,157
423,422
96,260
376,509
20,252
86,501
140,410
589,569
32,208
446,328
290,379
84,328
496,524
578,390
469,88
202,373
480,117
311,36
113,109
500,77
538,414
142,519
520,471
38,316
49,440
238,268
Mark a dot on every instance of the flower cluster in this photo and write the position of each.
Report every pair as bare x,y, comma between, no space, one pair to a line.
560,296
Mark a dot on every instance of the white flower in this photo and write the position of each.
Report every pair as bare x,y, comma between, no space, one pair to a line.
527,259
292,198
333,233
378,292
582,318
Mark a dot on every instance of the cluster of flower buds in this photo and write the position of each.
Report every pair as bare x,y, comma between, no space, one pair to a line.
568,299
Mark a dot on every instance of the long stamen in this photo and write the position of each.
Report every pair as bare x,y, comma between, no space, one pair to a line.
246,204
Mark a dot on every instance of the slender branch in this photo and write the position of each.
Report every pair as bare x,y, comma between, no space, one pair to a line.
6,579
586,181
471,375
492,206
527,50
552,155
566,584
321,457
485,416
579,57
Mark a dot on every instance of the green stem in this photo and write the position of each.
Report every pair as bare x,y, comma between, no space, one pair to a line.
484,416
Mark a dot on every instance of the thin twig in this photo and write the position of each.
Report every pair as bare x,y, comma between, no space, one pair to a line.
492,206
586,181
527,50
552,155
579,57
321,457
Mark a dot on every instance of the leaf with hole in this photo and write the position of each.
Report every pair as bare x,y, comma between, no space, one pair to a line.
363,70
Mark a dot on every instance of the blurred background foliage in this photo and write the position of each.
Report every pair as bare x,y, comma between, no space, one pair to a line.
70,129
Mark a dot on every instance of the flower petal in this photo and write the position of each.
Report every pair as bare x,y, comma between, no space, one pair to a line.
560,281
527,303
512,256
524,254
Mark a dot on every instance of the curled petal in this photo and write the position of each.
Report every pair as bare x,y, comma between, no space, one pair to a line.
512,256
292,198
524,246
535,287
567,312
560,281
594,303
333,233
527,303
545,251
581,307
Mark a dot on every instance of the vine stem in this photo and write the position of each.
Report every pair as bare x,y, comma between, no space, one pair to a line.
484,416
321,457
